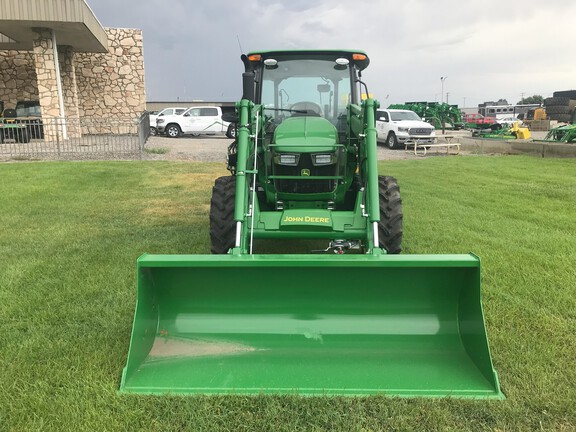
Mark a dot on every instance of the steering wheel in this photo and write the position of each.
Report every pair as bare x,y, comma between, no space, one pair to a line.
309,108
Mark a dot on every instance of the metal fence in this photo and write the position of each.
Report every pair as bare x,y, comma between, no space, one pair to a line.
65,138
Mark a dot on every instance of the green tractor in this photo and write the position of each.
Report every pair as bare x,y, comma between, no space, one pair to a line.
352,318
565,133
11,128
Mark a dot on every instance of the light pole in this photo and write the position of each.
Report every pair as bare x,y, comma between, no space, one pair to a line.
442,79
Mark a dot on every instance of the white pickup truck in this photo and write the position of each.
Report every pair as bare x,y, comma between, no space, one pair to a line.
163,113
198,120
396,126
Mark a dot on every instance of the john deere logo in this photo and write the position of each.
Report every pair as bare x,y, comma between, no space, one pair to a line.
305,173
307,219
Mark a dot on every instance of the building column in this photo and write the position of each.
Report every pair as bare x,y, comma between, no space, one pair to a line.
47,76
70,90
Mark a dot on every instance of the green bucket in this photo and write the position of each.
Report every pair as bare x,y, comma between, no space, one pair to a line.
399,325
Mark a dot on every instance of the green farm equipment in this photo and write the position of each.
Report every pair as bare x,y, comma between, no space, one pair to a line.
440,115
504,133
11,129
563,134
351,318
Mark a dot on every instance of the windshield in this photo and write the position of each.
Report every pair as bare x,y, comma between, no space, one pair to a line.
404,115
28,110
313,87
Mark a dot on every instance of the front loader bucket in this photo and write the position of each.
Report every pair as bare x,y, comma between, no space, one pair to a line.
402,325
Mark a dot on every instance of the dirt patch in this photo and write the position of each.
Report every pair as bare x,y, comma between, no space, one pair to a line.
214,149
164,348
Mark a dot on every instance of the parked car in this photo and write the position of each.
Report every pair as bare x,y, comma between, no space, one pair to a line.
478,121
508,121
165,112
194,121
396,126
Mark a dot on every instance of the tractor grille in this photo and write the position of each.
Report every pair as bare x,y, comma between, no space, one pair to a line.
305,185
420,131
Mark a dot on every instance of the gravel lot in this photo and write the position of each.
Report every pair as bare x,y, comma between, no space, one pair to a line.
213,149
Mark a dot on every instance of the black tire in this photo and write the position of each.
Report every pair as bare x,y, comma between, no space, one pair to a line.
153,131
232,131
392,141
173,131
222,225
564,118
558,109
554,101
571,94
390,225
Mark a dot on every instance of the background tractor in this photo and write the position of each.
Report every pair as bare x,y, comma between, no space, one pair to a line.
358,318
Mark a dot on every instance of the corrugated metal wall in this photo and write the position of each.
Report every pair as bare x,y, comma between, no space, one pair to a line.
52,11
43,10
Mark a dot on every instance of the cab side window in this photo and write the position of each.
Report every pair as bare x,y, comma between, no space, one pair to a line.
383,116
208,112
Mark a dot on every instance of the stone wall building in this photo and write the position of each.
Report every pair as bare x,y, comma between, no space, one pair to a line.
93,76
112,84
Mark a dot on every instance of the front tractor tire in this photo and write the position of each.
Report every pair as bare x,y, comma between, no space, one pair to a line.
222,225
390,225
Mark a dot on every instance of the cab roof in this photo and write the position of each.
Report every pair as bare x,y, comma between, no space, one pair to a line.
357,57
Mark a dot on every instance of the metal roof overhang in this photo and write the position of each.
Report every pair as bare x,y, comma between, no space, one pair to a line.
72,20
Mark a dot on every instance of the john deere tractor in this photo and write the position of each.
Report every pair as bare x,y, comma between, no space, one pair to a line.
303,166
357,319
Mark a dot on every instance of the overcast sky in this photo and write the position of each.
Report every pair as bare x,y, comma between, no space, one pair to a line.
488,50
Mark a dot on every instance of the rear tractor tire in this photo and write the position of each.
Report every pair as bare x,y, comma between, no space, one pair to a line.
390,225
222,225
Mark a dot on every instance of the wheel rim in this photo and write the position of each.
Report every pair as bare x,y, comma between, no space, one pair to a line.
392,141
172,132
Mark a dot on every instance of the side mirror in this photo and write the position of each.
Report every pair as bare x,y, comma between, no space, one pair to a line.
229,117
248,86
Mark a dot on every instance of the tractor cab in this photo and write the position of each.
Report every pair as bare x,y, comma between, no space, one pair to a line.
319,84
305,98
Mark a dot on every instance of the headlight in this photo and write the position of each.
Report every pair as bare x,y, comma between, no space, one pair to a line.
403,129
159,121
287,159
323,159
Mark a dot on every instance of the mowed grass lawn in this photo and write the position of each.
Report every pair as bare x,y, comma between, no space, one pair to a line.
71,234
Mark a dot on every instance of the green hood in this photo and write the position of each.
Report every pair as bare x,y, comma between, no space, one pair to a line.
305,135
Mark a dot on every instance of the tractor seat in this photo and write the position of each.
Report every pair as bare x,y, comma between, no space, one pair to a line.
10,113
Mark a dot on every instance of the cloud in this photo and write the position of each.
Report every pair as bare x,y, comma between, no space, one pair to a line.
489,50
